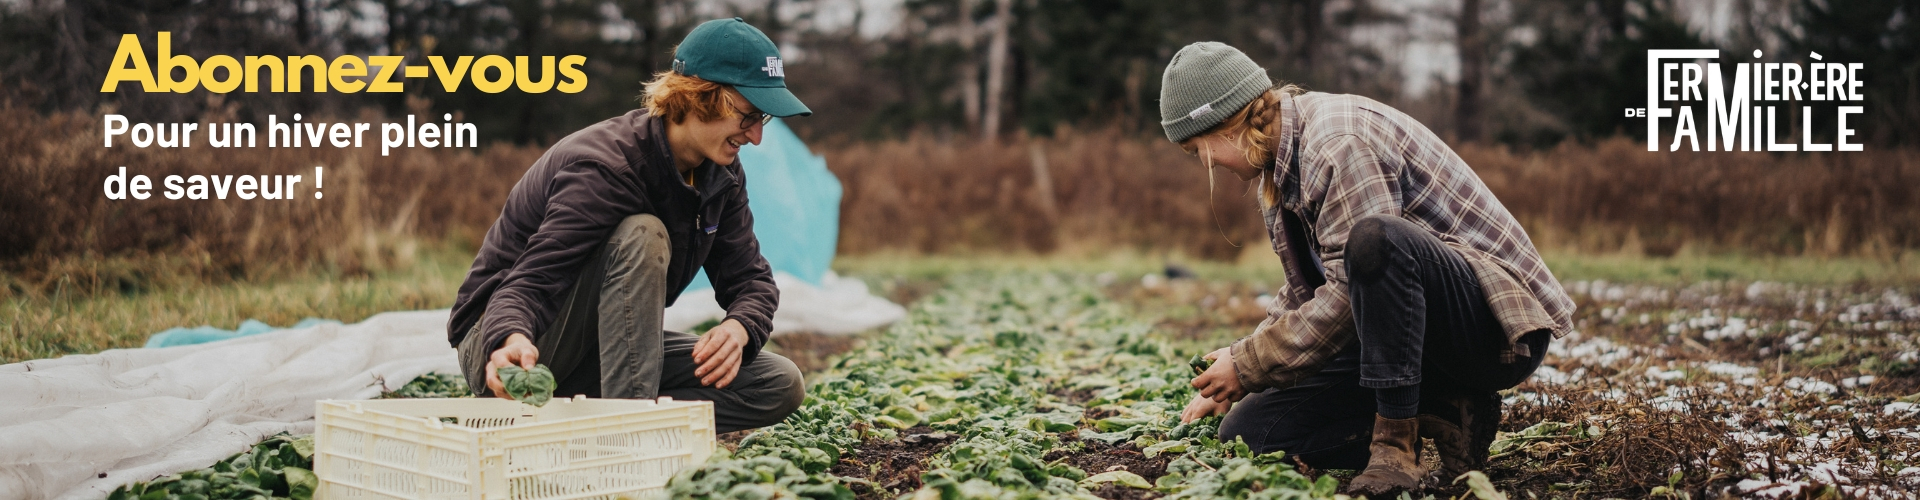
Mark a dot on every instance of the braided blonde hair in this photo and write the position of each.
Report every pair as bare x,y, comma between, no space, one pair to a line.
1253,129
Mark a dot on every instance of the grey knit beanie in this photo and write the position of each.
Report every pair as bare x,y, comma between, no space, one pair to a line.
1205,83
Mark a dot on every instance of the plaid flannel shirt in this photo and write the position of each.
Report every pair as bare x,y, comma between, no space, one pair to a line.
1343,157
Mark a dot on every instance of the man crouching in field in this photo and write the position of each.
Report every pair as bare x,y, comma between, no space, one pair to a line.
608,227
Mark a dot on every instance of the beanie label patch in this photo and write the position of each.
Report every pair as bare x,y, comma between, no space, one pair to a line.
1200,111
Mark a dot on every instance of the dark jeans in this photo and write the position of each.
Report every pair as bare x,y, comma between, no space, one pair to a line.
608,340
1420,318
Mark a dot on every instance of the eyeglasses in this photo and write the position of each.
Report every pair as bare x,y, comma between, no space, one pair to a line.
747,119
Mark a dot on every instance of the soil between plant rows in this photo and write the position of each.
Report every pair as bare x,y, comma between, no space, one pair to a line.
895,465
1098,457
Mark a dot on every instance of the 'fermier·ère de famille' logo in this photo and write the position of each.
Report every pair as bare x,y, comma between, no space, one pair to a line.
1735,110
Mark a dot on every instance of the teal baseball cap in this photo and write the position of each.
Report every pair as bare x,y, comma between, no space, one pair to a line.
732,52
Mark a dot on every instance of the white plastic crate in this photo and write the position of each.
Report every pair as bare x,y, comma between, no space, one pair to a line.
491,448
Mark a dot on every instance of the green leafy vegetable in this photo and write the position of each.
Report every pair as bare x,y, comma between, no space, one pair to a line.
755,478
1174,446
432,385
1120,477
534,387
1200,364
279,467
1482,488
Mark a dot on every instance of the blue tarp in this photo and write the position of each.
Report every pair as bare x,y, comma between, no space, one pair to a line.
208,333
795,202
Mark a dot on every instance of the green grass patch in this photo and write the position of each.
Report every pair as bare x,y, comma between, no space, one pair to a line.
36,325
51,323
1260,265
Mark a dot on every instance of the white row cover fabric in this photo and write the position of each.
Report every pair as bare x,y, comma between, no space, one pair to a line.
77,427
839,306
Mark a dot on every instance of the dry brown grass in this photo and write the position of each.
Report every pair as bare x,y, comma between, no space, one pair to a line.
1638,448
59,231
1108,191
1617,196
930,195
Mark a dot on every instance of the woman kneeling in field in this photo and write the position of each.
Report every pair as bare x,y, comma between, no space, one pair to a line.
1412,296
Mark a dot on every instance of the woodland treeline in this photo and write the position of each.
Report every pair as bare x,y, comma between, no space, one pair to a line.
1521,72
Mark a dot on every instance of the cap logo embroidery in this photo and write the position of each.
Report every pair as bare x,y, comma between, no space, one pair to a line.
774,68
1202,110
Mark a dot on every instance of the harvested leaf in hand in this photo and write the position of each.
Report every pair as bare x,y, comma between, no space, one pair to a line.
534,387
1200,363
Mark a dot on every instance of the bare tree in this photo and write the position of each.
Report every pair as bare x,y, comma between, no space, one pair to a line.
301,21
969,66
997,67
1309,18
1471,41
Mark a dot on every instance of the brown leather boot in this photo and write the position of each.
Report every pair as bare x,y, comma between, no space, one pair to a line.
1394,465
1462,427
